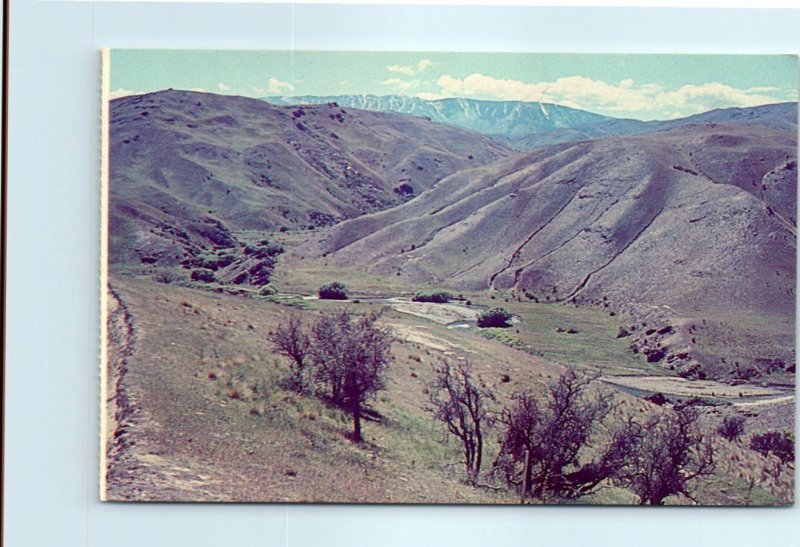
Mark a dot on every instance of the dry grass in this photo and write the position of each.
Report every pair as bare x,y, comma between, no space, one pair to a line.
215,401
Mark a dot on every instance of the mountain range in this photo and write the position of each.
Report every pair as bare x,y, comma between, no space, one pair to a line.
508,120
529,125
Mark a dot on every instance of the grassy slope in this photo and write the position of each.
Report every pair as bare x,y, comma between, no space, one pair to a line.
212,391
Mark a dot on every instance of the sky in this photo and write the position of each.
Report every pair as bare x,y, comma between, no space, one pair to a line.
644,87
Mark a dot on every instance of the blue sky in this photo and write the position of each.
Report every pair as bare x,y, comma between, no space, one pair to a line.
620,85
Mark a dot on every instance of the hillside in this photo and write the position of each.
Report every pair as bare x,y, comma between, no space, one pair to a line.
189,168
698,221
509,120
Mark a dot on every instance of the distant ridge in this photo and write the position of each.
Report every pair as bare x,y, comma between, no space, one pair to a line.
529,125
506,119
776,116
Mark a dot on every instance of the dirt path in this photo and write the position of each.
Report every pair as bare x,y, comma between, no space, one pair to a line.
740,395
136,469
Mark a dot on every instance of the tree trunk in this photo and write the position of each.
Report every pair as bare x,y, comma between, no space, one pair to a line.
357,424
526,476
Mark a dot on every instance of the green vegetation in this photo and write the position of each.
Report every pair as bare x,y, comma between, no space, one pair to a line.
731,428
333,291
504,337
495,317
778,444
438,297
202,275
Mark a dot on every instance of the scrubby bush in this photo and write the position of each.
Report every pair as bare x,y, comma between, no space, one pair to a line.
291,340
333,291
547,447
459,402
439,297
166,276
496,317
267,290
203,275
351,357
732,427
779,444
664,455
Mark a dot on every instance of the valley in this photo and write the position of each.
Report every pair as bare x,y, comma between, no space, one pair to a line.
662,265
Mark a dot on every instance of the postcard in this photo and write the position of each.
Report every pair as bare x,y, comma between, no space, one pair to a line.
459,278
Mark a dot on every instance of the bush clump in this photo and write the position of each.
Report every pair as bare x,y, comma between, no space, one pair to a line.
779,444
732,427
267,290
203,275
439,297
495,317
333,291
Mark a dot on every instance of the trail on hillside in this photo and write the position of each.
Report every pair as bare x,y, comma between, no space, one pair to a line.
136,469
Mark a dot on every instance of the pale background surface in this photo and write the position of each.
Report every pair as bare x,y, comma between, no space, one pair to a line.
51,489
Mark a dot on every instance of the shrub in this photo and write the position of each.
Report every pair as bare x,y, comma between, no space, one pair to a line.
166,276
781,445
351,357
203,275
662,456
440,297
496,317
732,427
266,290
547,446
333,291
458,401
291,340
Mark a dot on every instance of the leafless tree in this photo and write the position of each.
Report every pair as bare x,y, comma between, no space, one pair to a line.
668,451
544,447
460,404
290,339
351,357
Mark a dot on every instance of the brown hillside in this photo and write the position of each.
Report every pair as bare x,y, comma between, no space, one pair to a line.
186,167
695,221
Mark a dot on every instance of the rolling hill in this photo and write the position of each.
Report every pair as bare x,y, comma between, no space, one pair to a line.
187,168
691,222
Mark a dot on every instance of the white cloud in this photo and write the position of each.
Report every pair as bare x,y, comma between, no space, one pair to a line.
277,87
198,89
424,64
407,70
700,98
259,91
401,86
223,87
411,70
595,95
122,92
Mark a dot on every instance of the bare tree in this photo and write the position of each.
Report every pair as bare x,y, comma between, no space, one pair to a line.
543,449
290,339
351,358
460,405
668,451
